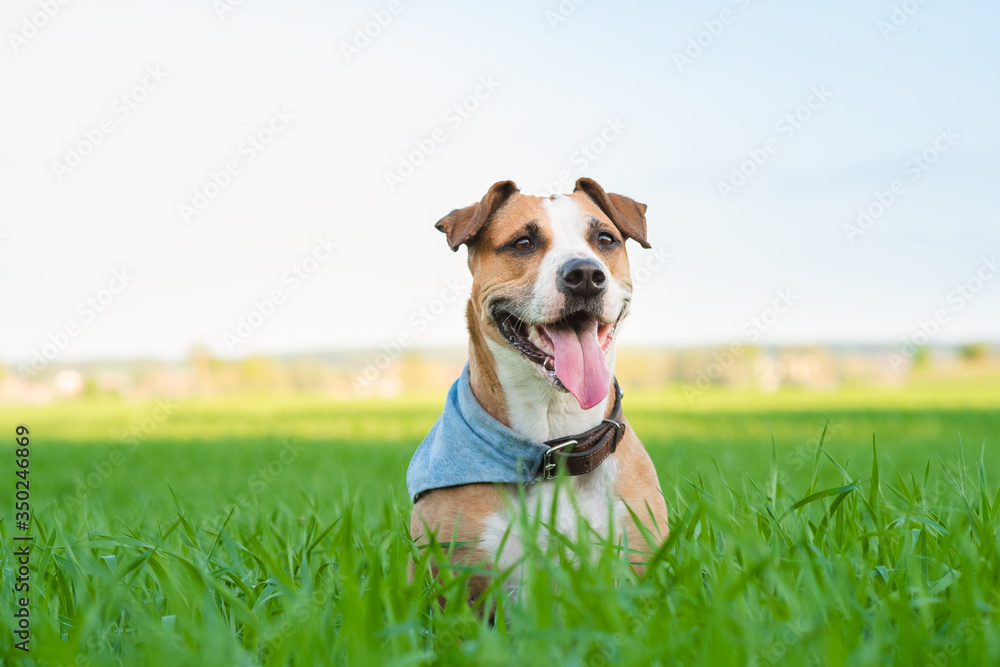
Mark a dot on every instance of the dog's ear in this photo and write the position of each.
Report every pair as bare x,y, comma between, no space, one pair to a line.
628,215
463,224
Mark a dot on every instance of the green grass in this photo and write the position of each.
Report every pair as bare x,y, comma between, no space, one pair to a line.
273,530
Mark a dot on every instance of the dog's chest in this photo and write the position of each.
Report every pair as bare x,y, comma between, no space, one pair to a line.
588,497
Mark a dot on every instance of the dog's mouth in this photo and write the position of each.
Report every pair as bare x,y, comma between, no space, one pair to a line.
570,351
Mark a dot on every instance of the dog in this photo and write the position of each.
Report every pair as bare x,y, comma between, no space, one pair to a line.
551,286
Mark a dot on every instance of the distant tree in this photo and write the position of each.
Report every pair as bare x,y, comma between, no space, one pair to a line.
974,352
261,373
922,357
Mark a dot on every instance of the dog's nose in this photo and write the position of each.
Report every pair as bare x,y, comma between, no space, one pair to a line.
582,277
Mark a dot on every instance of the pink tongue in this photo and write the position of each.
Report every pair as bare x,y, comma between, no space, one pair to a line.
580,364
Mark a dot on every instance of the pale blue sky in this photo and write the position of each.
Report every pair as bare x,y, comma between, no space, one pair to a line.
681,132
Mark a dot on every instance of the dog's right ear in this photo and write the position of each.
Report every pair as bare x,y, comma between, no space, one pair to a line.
463,224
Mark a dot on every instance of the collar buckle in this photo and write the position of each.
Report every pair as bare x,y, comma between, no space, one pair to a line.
549,466
619,432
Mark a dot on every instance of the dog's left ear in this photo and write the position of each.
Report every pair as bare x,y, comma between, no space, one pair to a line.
628,215
463,224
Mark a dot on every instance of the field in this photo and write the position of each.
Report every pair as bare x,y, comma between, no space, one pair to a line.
273,530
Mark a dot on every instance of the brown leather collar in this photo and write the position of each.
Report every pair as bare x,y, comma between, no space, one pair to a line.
582,453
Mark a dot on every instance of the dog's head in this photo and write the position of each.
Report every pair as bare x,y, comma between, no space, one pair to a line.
551,277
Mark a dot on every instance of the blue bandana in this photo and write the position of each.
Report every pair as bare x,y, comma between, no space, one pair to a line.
467,445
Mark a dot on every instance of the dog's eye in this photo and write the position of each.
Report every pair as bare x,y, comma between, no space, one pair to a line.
605,239
524,243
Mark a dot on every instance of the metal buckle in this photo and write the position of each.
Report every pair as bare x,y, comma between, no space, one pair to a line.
548,465
619,432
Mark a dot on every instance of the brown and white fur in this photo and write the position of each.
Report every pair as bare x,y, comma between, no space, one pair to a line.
521,393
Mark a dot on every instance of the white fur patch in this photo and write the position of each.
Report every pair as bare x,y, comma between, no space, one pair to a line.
538,410
569,227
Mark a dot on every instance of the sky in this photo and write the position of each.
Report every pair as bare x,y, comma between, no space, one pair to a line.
263,177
